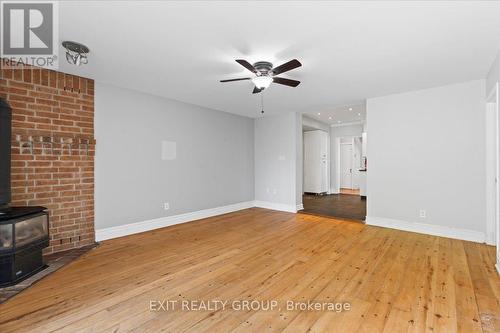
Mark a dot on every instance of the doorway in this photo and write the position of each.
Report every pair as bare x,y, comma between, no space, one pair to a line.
349,165
343,199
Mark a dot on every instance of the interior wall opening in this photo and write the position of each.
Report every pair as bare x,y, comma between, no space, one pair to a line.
334,170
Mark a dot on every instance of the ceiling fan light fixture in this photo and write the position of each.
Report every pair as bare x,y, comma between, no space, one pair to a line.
76,53
78,59
69,57
262,82
265,74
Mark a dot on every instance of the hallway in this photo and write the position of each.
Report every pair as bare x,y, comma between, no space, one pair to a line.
346,206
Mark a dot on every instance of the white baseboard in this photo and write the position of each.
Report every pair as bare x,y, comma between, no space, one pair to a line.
490,240
429,229
133,228
497,266
275,206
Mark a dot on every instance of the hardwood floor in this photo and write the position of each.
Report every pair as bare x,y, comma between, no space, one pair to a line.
352,207
349,191
394,281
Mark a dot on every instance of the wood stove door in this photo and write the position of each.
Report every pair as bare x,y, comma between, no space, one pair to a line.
31,230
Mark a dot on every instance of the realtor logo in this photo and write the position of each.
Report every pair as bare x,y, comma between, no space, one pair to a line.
29,32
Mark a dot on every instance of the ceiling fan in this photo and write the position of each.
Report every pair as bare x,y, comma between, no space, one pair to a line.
265,74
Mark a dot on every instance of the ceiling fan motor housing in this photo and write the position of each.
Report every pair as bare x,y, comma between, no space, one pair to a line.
263,67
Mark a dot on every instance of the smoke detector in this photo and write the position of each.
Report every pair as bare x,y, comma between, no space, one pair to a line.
76,53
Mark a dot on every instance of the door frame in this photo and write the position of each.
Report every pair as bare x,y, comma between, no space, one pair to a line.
493,171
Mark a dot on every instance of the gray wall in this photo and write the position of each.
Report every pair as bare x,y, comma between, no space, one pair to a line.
493,75
299,161
277,158
214,164
426,150
338,132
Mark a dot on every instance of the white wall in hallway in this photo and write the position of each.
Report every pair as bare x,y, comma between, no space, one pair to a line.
426,151
494,74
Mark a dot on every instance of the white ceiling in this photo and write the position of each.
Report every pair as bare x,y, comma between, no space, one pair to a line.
341,115
349,50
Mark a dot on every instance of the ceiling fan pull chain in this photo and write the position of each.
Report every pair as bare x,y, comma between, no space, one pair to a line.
262,102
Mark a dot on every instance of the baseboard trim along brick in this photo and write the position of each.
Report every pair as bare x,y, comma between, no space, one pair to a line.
428,229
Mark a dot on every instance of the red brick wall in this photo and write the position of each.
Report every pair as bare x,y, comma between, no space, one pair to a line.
53,149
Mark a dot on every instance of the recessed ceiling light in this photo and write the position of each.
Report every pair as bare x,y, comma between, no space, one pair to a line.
319,114
339,121
350,109
330,118
359,114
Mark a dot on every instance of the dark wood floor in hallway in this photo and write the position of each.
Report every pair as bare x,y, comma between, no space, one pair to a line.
394,281
345,206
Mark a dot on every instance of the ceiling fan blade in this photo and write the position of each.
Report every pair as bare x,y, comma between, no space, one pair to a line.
231,80
256,90
247,65
286,82
286,67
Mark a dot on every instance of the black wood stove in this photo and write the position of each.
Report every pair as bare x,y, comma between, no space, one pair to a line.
24,232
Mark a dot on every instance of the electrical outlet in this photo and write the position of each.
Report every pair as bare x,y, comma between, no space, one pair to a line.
166,206
423,213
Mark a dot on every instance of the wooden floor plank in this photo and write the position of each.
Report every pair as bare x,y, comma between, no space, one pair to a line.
393,280
488,304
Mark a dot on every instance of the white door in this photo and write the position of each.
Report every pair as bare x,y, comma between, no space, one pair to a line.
324,164
346,165
315,162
